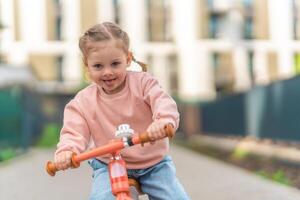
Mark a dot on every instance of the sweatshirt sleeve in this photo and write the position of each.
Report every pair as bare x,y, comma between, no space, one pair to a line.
75,134
162,105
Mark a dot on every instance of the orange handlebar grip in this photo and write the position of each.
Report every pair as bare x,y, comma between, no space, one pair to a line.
51,168
169,131
144,137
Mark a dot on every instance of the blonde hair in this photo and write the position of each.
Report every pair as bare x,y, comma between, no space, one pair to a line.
106,31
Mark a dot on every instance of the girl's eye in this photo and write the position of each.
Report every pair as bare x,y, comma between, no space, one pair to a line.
115,64
97,66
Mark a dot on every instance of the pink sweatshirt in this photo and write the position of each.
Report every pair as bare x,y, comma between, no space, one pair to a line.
93,114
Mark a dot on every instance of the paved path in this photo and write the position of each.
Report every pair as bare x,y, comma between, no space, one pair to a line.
204,179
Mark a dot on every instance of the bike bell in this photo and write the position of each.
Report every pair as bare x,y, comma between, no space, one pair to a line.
123,130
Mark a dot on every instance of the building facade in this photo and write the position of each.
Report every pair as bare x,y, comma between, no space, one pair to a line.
198,49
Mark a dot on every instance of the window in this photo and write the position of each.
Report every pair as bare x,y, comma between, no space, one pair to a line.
46,67
230,19
58,19
54,19
217,16
251,66
248,18
59,68
224,72
159,20
296,21
116,4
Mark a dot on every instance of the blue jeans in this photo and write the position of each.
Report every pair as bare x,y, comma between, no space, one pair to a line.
159,182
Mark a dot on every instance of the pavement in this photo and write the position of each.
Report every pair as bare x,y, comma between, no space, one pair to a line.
204,178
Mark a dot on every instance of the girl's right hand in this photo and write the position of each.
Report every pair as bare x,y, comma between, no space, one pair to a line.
63,160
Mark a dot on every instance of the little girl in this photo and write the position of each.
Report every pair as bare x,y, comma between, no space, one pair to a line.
115,97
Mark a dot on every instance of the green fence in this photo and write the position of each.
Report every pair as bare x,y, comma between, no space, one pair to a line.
266,112
25,114
11,116
20,117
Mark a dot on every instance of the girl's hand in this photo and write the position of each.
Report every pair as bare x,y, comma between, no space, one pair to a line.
156,130
63,160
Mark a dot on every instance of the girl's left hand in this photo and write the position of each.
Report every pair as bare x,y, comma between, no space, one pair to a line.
156,130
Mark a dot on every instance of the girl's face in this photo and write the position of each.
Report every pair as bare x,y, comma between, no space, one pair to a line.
106,63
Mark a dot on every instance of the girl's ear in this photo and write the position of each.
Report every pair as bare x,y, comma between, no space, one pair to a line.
129,58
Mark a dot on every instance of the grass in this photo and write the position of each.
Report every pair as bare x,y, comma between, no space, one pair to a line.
277,176
7,153
239,154
49,137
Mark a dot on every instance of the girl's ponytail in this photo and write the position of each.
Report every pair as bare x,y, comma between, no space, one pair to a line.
141,64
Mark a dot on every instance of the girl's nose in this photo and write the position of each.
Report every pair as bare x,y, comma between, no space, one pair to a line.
107,71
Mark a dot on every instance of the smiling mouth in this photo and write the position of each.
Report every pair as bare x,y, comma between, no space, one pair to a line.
109,81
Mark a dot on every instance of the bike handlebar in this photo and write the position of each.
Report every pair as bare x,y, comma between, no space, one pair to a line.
142,138
111,147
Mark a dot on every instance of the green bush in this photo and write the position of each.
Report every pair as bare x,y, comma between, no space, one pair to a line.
297,63
239,154
6,154
278,176
50,136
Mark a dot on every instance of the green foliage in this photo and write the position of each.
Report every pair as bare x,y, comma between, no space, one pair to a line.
239,154
278,176
50,136
263,174
297,63
6,154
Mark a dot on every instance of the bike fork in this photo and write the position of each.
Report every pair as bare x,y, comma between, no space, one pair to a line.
118,177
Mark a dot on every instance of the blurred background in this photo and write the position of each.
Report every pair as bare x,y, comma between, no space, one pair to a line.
232,65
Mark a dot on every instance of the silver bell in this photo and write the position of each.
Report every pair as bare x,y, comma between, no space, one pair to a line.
123,130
